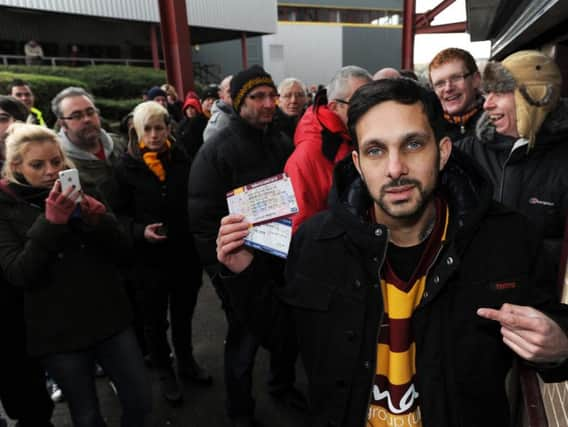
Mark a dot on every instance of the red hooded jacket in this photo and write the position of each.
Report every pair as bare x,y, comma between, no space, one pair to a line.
321,141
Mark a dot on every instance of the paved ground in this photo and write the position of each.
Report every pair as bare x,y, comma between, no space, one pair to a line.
202,407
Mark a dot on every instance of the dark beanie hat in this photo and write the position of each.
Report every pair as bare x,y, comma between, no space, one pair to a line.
245,81
156,91
211,91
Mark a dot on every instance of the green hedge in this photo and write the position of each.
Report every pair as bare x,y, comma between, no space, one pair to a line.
44,87
116,109
107,81
117,88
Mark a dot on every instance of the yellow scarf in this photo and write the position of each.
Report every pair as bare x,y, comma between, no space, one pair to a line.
153,161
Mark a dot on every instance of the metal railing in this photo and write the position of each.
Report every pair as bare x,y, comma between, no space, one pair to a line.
55,61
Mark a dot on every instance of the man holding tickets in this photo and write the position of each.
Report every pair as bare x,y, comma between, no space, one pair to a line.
410,295
247,149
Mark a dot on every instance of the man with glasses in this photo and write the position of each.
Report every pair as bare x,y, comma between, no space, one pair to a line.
93,150
321,141
456,80
246,149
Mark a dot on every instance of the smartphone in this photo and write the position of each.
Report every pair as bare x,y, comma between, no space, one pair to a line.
162,230
70,178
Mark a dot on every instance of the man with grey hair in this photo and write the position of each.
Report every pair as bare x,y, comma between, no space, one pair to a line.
322,140
292,103
221,111
93,150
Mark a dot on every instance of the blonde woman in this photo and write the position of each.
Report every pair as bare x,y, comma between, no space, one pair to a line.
64,254
152,181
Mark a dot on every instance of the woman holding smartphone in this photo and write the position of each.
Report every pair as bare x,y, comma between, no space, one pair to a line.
152,181
65,255
23,391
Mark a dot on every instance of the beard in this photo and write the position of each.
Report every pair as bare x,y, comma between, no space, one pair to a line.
405,209
87,137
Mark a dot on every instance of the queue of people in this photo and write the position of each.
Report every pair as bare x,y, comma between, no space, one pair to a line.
430,221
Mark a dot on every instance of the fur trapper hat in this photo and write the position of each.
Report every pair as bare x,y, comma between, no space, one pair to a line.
535,80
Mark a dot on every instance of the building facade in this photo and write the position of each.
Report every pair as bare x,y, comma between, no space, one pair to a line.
314,38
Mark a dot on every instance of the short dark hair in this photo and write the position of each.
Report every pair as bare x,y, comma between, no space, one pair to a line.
16,83
14,107
404,91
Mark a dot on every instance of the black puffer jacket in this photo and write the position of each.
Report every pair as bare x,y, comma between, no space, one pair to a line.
533,182
333,296
236,155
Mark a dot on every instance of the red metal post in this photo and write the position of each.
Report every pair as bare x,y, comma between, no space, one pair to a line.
154,46
408,34
244,49
176,45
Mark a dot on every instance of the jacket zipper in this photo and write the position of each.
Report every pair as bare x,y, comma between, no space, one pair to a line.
502,183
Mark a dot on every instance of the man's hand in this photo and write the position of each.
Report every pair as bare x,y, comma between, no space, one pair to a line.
529,333
231,251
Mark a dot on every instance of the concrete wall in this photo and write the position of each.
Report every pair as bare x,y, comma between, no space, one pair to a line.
372,48
311,53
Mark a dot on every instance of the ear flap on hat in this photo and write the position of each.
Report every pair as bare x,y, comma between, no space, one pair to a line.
537,95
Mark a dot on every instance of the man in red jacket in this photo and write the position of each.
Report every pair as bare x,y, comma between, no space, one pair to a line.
322,140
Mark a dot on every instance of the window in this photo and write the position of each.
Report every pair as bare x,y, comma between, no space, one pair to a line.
338,15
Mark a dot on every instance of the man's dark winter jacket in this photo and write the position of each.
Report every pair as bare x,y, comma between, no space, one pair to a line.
534,182
332,293
236,155
457,129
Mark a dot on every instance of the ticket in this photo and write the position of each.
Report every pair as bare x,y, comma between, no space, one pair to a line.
272,237
265,200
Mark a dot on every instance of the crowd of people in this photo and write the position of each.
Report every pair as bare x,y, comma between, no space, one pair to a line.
423,261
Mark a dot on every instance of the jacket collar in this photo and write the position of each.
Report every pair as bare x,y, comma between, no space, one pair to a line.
76,153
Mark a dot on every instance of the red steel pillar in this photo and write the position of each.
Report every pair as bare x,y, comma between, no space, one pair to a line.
408,34
244,50
154,46
176,45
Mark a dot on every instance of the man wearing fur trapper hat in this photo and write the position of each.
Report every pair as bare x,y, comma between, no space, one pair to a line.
522,140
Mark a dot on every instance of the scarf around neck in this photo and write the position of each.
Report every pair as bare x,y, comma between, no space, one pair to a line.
153,160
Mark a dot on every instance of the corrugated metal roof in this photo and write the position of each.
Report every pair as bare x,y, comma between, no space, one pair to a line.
224,14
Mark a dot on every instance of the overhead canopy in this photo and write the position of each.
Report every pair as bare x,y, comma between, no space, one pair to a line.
516,24
210,20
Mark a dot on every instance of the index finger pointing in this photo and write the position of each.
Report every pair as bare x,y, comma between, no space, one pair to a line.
512,320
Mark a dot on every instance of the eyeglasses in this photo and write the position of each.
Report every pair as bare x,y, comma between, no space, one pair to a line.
291,94
5,118
342,101
453,80
261,96
79,115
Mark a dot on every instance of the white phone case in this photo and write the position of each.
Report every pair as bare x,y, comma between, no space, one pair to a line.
70,178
